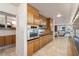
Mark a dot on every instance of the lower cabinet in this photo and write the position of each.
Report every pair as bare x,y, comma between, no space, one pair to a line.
36,44
47,39
13,39
51,37
30,48
1,41
8,40
42,41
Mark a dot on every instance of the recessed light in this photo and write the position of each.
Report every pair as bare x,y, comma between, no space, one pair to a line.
58,15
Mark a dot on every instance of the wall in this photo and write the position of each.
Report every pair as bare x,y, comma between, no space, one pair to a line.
7,32
6,7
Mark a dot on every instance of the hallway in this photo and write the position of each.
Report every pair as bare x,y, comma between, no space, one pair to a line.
58,47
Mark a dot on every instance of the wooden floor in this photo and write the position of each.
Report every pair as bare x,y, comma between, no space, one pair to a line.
58,47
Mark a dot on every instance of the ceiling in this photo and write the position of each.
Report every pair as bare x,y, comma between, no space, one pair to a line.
15,4
76,23
52,9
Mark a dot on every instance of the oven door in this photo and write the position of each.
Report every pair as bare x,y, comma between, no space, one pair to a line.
32,33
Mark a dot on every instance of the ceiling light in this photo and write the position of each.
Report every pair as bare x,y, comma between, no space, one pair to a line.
58,15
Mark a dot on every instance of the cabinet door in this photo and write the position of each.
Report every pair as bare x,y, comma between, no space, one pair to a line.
36,19
1,41
36,45
13,39
29,15
51,37
8,40
29,48
47,39
29,18
42,20
42,42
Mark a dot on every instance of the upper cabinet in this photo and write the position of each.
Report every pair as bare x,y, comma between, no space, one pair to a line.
42,20
2,19
7,20
36,20
32,15
36,16
11,22
29,14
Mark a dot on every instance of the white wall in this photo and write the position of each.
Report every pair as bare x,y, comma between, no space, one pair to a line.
7,32
6,7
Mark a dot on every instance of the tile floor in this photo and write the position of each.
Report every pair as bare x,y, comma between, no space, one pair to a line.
8,52
58,47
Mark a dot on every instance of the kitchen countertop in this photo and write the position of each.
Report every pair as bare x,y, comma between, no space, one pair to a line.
7,32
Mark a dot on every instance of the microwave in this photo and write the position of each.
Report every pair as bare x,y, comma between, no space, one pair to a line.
33,32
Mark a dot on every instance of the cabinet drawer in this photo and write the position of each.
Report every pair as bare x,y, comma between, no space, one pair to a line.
2,41
8,40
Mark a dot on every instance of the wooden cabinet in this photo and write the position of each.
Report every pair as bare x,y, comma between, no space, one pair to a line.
30,48
51,37
13,39
8,40
48,29
36,45
42,41
32,15
30,18
29,14
1,41
36,16
36,20
47,39
42,20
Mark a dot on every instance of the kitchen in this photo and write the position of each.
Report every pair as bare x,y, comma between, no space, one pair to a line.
35,26
54,28
39,29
